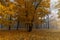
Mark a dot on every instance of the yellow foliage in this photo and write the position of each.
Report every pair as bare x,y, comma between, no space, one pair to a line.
45,3
23,11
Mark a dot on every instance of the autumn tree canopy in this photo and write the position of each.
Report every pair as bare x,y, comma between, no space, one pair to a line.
25,11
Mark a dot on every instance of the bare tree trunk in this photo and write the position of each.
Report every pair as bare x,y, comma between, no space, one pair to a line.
17,24
48,21
29,26
10,23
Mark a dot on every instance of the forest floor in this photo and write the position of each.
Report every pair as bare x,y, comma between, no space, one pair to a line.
33,35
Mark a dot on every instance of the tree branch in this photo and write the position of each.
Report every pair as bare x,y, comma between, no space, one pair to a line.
38,4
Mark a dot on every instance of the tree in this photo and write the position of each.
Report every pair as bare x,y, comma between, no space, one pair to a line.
6,13
33,12
59,13
26,11
57,4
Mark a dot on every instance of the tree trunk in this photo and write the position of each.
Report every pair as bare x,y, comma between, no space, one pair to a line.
30,25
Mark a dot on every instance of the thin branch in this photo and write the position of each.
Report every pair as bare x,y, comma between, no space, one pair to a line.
38,4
